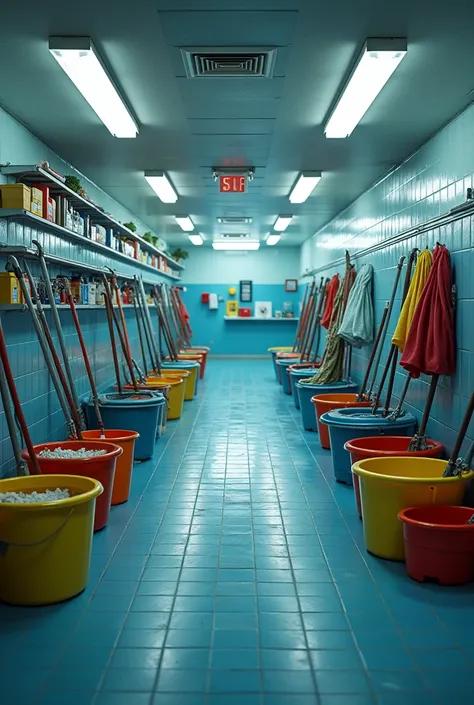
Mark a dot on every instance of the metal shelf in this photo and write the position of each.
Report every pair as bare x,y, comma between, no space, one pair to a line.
259,320
39,175
20,215
19,308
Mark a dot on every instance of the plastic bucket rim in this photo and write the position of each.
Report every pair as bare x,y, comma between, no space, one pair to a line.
108,455
435,527
355,449
404,419
95,491
132,435
362,472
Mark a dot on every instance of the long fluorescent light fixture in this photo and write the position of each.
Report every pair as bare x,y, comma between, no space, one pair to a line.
185,223
282,222
273,239
79,59
376,63
161,185
304,186
196,239
251,245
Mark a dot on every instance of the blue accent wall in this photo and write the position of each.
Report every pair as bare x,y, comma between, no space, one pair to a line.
427,184
239,337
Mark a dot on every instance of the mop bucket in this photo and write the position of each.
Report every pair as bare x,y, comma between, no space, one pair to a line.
189,379
389,485
382,447
348,423
99,467
203,351
439,545
306,393
284,364
177,390
46,547
197,357
294,357
329,402
139,412
273,351
124,468
297,372
193,367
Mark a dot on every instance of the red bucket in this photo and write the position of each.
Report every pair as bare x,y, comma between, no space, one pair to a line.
439,545
383,447
100,467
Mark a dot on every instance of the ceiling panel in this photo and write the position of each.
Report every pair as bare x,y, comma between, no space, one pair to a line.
231,127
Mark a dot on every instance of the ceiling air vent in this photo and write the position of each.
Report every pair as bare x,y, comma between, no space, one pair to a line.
234,220
234,236
229,62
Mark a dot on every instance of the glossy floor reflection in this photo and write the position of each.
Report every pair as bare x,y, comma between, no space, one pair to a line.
236,575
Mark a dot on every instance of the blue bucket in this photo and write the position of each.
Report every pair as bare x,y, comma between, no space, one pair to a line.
295,376
356,422
284,364
183,365
307,391
141,414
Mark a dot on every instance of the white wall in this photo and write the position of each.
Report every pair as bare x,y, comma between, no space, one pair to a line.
269,265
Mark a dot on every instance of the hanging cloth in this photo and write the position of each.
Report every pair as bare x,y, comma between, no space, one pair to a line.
430,346
357,327
422,270
330,298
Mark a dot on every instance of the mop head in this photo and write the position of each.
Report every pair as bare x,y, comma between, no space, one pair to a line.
419,443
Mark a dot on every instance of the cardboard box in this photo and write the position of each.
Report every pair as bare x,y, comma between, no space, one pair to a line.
36,201
15,196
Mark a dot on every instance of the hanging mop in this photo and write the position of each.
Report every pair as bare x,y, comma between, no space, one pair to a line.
357,327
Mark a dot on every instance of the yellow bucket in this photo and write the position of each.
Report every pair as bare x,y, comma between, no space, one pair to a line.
280,349
388,485
176,394
189,377
45,548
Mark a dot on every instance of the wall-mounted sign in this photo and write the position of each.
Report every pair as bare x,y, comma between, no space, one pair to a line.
246,291
232,184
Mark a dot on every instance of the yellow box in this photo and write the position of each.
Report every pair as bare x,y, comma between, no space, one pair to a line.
15,196
10,292
232,308
36,201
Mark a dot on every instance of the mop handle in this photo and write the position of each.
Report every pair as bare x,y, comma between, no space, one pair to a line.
118,299
110,326
315,323
127,357
463,430
154,360
299,342
372,353
6,374
139,329
324,294
85,354
147,318
300,322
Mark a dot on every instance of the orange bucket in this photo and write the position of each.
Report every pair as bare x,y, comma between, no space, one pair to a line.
124,467
329,402
197,357
199,350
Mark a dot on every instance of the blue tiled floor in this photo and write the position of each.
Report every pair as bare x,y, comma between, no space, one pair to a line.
236,575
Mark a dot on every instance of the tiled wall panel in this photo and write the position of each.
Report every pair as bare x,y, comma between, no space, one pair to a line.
429,183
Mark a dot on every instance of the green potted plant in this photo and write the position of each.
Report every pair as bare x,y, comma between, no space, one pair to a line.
73,183
178,254
148,237
131,226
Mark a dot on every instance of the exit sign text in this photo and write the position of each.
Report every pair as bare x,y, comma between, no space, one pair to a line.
232,184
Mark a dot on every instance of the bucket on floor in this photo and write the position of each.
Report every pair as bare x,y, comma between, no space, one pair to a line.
176,393
284,356
139,412
124,468
439,544
46,547
100,468
284,364
307,391
273,351
389,485
299,371
193,367
382,447
189,382
204,352
329,402
346,424
195,357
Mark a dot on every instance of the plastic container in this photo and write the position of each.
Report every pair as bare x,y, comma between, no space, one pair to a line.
138,412
307,391
299,371
273,351
329,402
382,447
439,544
190,366
389,485
124,468
204,352
294,357
100,468
195,357
189,382
346,424
46,546
176,393
283,365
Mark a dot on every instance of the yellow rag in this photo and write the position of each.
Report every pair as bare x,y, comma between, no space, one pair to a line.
422,269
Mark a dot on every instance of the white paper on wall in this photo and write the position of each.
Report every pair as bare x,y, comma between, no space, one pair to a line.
213,302
263,309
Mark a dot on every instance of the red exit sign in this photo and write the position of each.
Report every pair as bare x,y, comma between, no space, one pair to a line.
232,184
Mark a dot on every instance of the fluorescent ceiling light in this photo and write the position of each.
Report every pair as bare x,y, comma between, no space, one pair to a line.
282,222
196,239
78,58
185,223
234,220
376,63
249,245
304,186
161,185
273,239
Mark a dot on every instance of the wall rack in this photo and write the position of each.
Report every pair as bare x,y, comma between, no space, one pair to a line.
37,174
20,308
259,320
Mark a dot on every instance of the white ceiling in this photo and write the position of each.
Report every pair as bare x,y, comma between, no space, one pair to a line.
188,126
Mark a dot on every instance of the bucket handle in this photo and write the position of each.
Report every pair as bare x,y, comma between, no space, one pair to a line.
4,545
